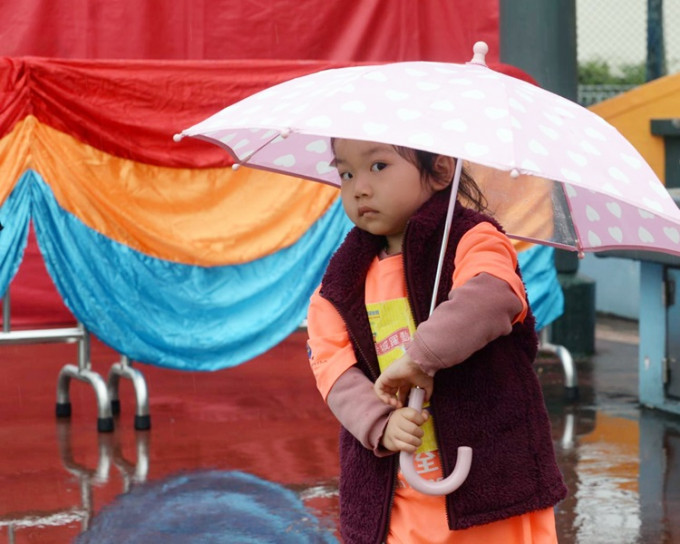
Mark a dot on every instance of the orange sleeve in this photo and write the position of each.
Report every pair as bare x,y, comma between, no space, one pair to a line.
329,348
485,249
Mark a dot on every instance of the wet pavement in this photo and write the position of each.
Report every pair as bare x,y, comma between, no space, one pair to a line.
250,454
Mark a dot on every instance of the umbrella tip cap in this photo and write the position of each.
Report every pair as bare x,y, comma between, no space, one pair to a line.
177,137
479,50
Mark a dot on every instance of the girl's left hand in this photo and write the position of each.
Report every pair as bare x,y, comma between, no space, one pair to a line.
403,431
402,373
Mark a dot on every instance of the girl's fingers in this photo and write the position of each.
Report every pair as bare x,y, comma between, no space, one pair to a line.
389,395
408,440
408,448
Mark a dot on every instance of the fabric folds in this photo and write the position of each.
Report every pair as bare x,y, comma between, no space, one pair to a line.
160,248
175,315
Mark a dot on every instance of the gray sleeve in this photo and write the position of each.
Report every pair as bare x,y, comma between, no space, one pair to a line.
476,313
357,407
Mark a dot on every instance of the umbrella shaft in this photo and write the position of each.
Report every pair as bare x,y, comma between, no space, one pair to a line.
447,229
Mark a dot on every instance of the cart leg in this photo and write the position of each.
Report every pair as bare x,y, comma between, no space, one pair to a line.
63,385
67,373
124,370
571,392
83,373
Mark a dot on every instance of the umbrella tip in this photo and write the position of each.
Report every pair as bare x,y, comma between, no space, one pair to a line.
479,50
177,137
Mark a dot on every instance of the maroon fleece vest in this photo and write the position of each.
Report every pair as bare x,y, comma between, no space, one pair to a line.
491,402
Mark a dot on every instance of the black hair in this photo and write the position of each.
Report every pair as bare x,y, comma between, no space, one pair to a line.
425,162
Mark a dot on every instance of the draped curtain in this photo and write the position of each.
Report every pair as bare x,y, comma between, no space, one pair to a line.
160,248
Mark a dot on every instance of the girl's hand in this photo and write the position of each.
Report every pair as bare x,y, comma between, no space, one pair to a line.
402,373
403,432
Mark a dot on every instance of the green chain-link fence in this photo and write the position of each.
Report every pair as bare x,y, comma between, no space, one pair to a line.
623,43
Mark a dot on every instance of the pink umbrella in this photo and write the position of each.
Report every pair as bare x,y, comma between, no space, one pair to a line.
552,171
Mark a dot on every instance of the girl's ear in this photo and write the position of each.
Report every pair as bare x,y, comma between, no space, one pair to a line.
444,168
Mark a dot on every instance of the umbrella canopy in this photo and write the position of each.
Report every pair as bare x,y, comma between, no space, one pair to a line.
551,171
528,148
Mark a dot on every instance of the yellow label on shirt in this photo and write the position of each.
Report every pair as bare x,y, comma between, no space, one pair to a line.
393,328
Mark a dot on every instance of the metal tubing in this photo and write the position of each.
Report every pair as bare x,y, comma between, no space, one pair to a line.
125,370
64,382
6,313
82,372
84,350
36,336
138,472
567,363
570,379
85,375
142,466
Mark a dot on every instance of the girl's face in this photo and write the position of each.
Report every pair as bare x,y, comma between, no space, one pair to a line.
380,189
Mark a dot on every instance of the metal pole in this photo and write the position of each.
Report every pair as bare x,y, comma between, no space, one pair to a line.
656,51
6,312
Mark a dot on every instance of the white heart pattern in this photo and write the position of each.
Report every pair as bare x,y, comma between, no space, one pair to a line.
613,195
538,148
594,239
455,124
616,233
614,209
396,95
495,113
645,236
285,160
442,105
673,234
408,115
504,135
323,167
591,214
317,146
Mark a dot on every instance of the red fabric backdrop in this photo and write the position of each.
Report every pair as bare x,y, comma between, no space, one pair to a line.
200,30
366,30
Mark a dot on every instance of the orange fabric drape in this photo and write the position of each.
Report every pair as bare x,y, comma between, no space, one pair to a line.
206,217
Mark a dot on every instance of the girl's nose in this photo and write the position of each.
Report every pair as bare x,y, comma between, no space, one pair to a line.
362,186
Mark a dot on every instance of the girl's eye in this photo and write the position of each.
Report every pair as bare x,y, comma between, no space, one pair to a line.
345,176
378,166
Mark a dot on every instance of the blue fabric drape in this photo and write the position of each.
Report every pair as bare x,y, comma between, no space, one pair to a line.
180,316
543,288
15,216
189,317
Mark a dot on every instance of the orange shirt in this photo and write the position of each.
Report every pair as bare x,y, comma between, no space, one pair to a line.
482,249
418,518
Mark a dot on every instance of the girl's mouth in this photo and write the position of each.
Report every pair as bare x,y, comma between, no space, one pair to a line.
363,210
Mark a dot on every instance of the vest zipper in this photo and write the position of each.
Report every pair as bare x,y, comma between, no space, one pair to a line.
395,479
436,432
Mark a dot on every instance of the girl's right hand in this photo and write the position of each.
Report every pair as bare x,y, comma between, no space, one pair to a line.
398,378
403,432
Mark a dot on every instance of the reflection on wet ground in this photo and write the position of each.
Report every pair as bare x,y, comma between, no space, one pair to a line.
250,453
617,458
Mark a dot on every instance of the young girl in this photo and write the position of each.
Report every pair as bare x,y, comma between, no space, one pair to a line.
371,339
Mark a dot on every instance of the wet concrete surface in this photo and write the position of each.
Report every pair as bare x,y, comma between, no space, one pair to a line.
250,454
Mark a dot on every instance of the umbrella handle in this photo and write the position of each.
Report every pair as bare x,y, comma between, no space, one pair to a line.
429,487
